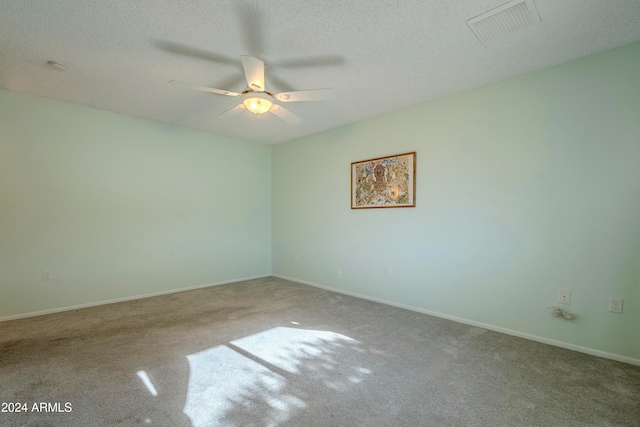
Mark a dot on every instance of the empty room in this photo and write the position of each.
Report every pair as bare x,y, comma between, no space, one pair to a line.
312,213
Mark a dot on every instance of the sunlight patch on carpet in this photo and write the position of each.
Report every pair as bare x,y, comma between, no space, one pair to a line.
264,377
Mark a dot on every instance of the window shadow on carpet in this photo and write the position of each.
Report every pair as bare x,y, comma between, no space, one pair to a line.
271,376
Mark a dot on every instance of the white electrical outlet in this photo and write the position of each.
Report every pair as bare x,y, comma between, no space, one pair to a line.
387,270
564,296
339,274
294,256
46,274
615,305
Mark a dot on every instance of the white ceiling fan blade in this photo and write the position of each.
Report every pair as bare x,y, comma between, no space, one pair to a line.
285,115
307,95
203,88
254,71
232,112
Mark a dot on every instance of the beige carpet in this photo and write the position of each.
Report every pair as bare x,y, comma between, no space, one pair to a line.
269,352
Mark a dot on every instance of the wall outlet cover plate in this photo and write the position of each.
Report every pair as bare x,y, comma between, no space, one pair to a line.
615,305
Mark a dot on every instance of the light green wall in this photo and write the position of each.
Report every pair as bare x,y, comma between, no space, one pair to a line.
523,187
118,206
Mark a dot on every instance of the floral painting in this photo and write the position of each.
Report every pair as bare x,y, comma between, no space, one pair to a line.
385,182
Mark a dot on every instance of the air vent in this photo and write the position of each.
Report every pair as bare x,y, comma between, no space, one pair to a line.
504,19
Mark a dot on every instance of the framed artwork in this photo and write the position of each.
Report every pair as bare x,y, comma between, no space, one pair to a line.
385,182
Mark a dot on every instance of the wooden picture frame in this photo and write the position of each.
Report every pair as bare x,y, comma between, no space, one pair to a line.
384,182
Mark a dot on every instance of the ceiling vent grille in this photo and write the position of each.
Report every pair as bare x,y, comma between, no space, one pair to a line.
504,19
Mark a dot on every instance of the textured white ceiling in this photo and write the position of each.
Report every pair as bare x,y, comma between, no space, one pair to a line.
380,55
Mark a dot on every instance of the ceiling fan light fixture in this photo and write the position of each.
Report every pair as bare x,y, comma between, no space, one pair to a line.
257,102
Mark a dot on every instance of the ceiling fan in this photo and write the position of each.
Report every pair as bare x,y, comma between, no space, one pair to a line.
259,101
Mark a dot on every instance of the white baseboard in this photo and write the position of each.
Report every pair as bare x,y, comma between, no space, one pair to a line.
587,350
112,301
